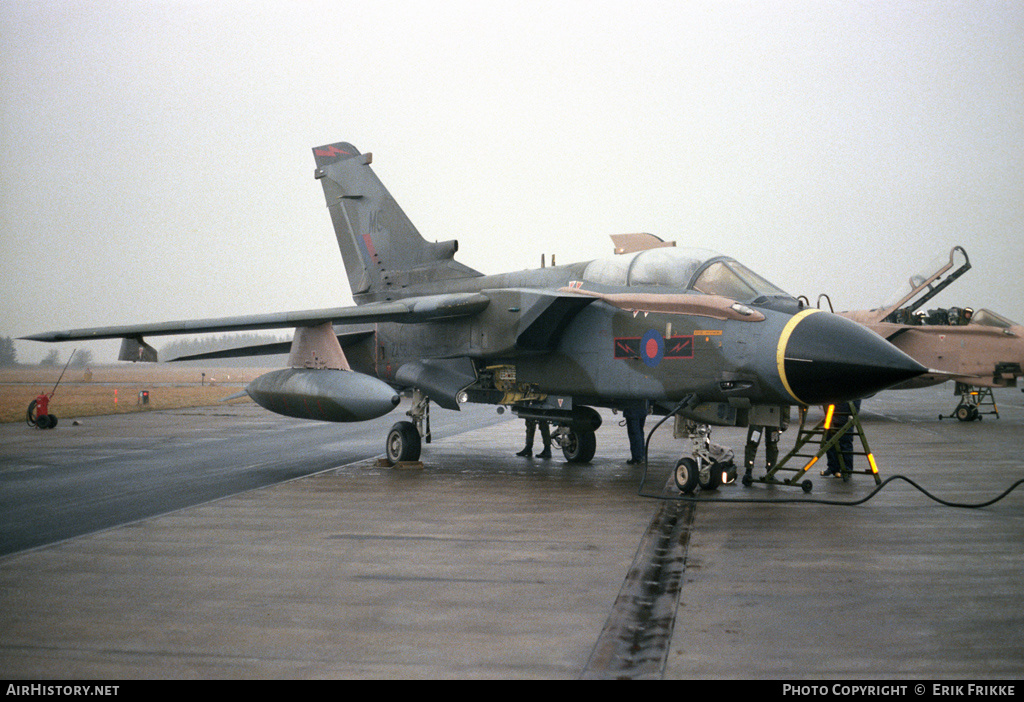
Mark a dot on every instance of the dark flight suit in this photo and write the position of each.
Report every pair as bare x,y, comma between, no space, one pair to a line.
636,416
840,416
545,435
771,447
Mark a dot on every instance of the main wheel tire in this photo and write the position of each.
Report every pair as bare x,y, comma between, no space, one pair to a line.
687,475
963,413
579,446
403,443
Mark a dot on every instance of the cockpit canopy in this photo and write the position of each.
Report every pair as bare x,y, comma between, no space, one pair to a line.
700,270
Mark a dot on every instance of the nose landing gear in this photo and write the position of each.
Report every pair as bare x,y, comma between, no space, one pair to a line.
708,466
972,400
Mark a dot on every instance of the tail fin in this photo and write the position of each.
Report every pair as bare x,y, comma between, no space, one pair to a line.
384,254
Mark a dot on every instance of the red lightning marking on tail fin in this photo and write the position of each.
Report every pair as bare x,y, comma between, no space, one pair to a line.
331,151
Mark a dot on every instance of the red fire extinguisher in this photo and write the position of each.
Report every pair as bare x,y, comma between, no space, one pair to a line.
38,414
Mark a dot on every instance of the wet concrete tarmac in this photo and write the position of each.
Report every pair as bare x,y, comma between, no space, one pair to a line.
485,565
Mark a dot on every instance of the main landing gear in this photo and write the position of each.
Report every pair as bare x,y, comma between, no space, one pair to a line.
578,445
573,431
405,440
708,466
403,443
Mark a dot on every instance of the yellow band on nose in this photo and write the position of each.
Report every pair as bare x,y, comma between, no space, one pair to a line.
780,350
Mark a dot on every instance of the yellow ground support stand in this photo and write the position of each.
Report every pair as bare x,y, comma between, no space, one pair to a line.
972,402
822,436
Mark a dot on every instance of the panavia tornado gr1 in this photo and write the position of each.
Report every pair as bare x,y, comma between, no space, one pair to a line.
692,332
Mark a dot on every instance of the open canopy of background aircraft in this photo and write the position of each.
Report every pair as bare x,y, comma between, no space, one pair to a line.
689,330
977,349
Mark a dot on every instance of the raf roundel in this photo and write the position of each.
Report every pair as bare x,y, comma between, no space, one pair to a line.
652,348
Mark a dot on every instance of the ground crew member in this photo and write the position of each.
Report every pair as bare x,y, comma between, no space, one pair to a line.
840,416
636,416
545,435
771,447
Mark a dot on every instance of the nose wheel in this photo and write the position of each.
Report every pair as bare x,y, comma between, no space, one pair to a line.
708,467
692,473
687,475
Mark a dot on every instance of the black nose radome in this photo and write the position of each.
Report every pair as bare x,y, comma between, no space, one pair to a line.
824,358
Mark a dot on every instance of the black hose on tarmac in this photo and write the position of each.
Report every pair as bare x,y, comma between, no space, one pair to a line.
808,500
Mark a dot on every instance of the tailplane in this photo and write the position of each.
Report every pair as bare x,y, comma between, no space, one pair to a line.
384,254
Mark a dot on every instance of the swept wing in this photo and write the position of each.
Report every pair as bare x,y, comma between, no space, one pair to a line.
413,310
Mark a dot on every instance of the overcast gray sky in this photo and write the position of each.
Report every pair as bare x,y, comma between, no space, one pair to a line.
156,156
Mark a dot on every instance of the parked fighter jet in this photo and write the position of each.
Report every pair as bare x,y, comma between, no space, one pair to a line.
978,350
696,333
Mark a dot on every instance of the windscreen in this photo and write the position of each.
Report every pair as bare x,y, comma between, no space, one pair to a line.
733,279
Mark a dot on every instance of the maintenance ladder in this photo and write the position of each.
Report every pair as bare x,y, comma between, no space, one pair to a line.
824,436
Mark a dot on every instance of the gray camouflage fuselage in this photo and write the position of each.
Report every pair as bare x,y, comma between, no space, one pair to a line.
689,330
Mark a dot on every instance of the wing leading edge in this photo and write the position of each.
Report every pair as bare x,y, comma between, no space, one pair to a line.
411,310
541,317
